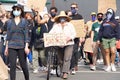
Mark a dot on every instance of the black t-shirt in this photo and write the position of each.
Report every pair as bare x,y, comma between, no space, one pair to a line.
76,17
50,24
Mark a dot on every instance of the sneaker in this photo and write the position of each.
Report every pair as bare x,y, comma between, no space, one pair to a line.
113,67
45,69
93,68
104,67
108,69
118,64
35,71
53,71
73,72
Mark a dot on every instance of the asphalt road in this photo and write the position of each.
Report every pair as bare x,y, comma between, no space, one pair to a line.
84,73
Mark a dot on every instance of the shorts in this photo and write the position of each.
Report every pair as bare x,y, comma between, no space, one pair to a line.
108,43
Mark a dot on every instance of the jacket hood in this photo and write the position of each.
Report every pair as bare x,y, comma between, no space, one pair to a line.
110,10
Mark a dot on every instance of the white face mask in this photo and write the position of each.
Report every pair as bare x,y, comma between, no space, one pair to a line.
16,13
109,16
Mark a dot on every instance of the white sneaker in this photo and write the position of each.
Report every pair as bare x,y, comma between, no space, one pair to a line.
108,69
104,67
93,68
35,71
113,67
73,72
53,71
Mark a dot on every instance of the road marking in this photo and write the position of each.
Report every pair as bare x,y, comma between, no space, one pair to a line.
95,72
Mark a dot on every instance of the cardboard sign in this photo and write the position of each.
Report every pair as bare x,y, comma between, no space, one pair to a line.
79,27
54,39
23,2
3,70
36,4
103,5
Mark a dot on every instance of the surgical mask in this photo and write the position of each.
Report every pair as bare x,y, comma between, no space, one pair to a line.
53,14
109,16
73,11
100,19
62,20
16,13
93,18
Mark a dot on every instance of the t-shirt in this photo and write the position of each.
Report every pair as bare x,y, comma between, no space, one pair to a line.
50,24
95,28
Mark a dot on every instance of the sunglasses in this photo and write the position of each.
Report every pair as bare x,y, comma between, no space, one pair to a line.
73,7
16,9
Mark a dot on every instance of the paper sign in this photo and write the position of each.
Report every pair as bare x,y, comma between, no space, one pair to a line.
79,27
103,5
23,2
54,39
36,4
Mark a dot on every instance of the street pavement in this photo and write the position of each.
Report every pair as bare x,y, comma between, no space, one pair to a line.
83,73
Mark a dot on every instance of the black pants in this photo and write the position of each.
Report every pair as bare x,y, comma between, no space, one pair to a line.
75,55
13,54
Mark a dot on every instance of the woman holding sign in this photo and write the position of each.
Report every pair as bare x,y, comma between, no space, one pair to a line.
63,26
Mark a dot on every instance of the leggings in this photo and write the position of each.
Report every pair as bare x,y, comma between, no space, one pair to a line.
13,54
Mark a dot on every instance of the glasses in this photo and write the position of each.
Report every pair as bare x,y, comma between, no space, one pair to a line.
16,9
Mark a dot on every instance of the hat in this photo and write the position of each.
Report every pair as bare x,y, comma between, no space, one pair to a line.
18,6
110,11
93,13
62,14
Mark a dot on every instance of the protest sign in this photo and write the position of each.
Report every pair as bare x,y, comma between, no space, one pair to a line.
3,70
103,5
23,2
79,27
51,39
36,4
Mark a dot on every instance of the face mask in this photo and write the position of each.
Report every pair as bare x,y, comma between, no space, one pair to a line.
73,11
16,13
62,20
109,16
53,14
100,19
93,18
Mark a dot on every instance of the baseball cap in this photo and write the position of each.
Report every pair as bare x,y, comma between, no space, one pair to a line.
93,13
18,6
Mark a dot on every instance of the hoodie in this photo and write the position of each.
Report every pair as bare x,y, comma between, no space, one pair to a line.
109,28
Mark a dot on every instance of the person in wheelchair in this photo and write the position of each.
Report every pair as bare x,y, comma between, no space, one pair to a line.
63,25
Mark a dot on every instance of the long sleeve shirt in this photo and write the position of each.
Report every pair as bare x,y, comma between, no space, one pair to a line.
68,30
108,31
17,35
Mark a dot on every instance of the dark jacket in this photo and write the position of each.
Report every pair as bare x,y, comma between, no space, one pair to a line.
109,29
35,35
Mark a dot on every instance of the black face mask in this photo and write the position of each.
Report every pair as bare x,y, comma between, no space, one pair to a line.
53,14
100,19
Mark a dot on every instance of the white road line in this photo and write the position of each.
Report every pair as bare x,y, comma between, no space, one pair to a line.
96,72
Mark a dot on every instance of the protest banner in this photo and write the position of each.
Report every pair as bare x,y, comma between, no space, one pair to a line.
36,4
79,27
3,70
57,39
103,5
